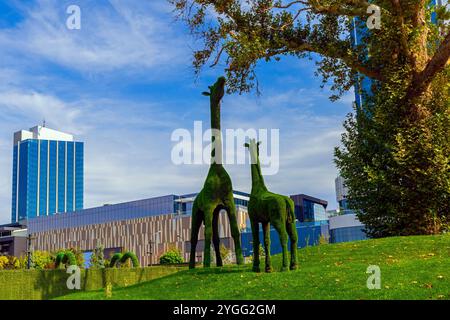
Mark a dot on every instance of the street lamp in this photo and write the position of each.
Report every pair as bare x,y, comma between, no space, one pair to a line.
29,238
151,247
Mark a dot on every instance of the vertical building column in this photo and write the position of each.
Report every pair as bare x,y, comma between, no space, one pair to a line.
57,177
65,175
17,182
48,178
38,196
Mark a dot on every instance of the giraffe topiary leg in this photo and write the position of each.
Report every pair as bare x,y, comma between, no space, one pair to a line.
208,237
255,240
292,232
281,228
197,218
266,230
216,239
235,233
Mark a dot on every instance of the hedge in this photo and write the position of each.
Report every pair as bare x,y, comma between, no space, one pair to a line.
47,284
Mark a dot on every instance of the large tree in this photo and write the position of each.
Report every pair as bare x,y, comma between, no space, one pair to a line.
396,148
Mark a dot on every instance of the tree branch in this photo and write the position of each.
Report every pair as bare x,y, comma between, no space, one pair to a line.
437,64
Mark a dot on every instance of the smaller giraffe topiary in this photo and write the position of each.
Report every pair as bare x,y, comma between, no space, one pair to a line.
268,208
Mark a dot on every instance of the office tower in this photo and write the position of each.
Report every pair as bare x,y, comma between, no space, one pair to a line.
47,173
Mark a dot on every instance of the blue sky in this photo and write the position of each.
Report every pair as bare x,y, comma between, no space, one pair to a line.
124,82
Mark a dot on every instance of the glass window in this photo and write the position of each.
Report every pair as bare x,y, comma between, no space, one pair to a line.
43,164
52,178
70,177
61,176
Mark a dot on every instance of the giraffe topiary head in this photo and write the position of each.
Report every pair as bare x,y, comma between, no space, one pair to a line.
253,148
216,91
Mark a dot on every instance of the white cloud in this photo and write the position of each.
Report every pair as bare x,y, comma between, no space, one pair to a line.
117,36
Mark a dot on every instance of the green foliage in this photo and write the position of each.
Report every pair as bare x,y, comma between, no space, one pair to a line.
98,258
225,254
79,256
395,160
323,240
40,260
9,262
262,253
172,256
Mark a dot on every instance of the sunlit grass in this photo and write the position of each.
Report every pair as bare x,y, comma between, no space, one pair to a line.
411,268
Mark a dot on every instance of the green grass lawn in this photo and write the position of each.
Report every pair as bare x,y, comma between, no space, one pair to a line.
411,268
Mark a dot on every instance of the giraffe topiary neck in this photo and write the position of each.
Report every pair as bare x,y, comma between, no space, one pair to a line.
257,178
216,136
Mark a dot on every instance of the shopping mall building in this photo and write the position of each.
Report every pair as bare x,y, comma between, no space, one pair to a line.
149,227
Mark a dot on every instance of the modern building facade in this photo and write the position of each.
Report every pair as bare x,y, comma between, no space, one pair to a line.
147,227
48,176
150,227
345,225
309,209
345,228
341,196
13,240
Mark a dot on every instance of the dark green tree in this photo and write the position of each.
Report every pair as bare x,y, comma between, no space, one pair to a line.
396,149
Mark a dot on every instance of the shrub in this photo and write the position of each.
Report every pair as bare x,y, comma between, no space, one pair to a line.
225,254
40,259
262,254
172,256
98,258
323,240
3,262
79,256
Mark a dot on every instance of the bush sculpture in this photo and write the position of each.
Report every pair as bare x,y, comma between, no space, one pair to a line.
217,192
268,208
65,257
119,258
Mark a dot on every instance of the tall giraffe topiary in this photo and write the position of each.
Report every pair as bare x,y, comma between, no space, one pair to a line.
268,208
217,192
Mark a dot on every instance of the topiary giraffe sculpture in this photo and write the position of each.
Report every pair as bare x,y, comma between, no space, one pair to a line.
268,208
217,192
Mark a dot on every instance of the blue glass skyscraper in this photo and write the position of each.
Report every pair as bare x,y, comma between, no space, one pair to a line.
47,173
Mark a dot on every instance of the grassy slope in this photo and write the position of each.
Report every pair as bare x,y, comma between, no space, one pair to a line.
411,268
